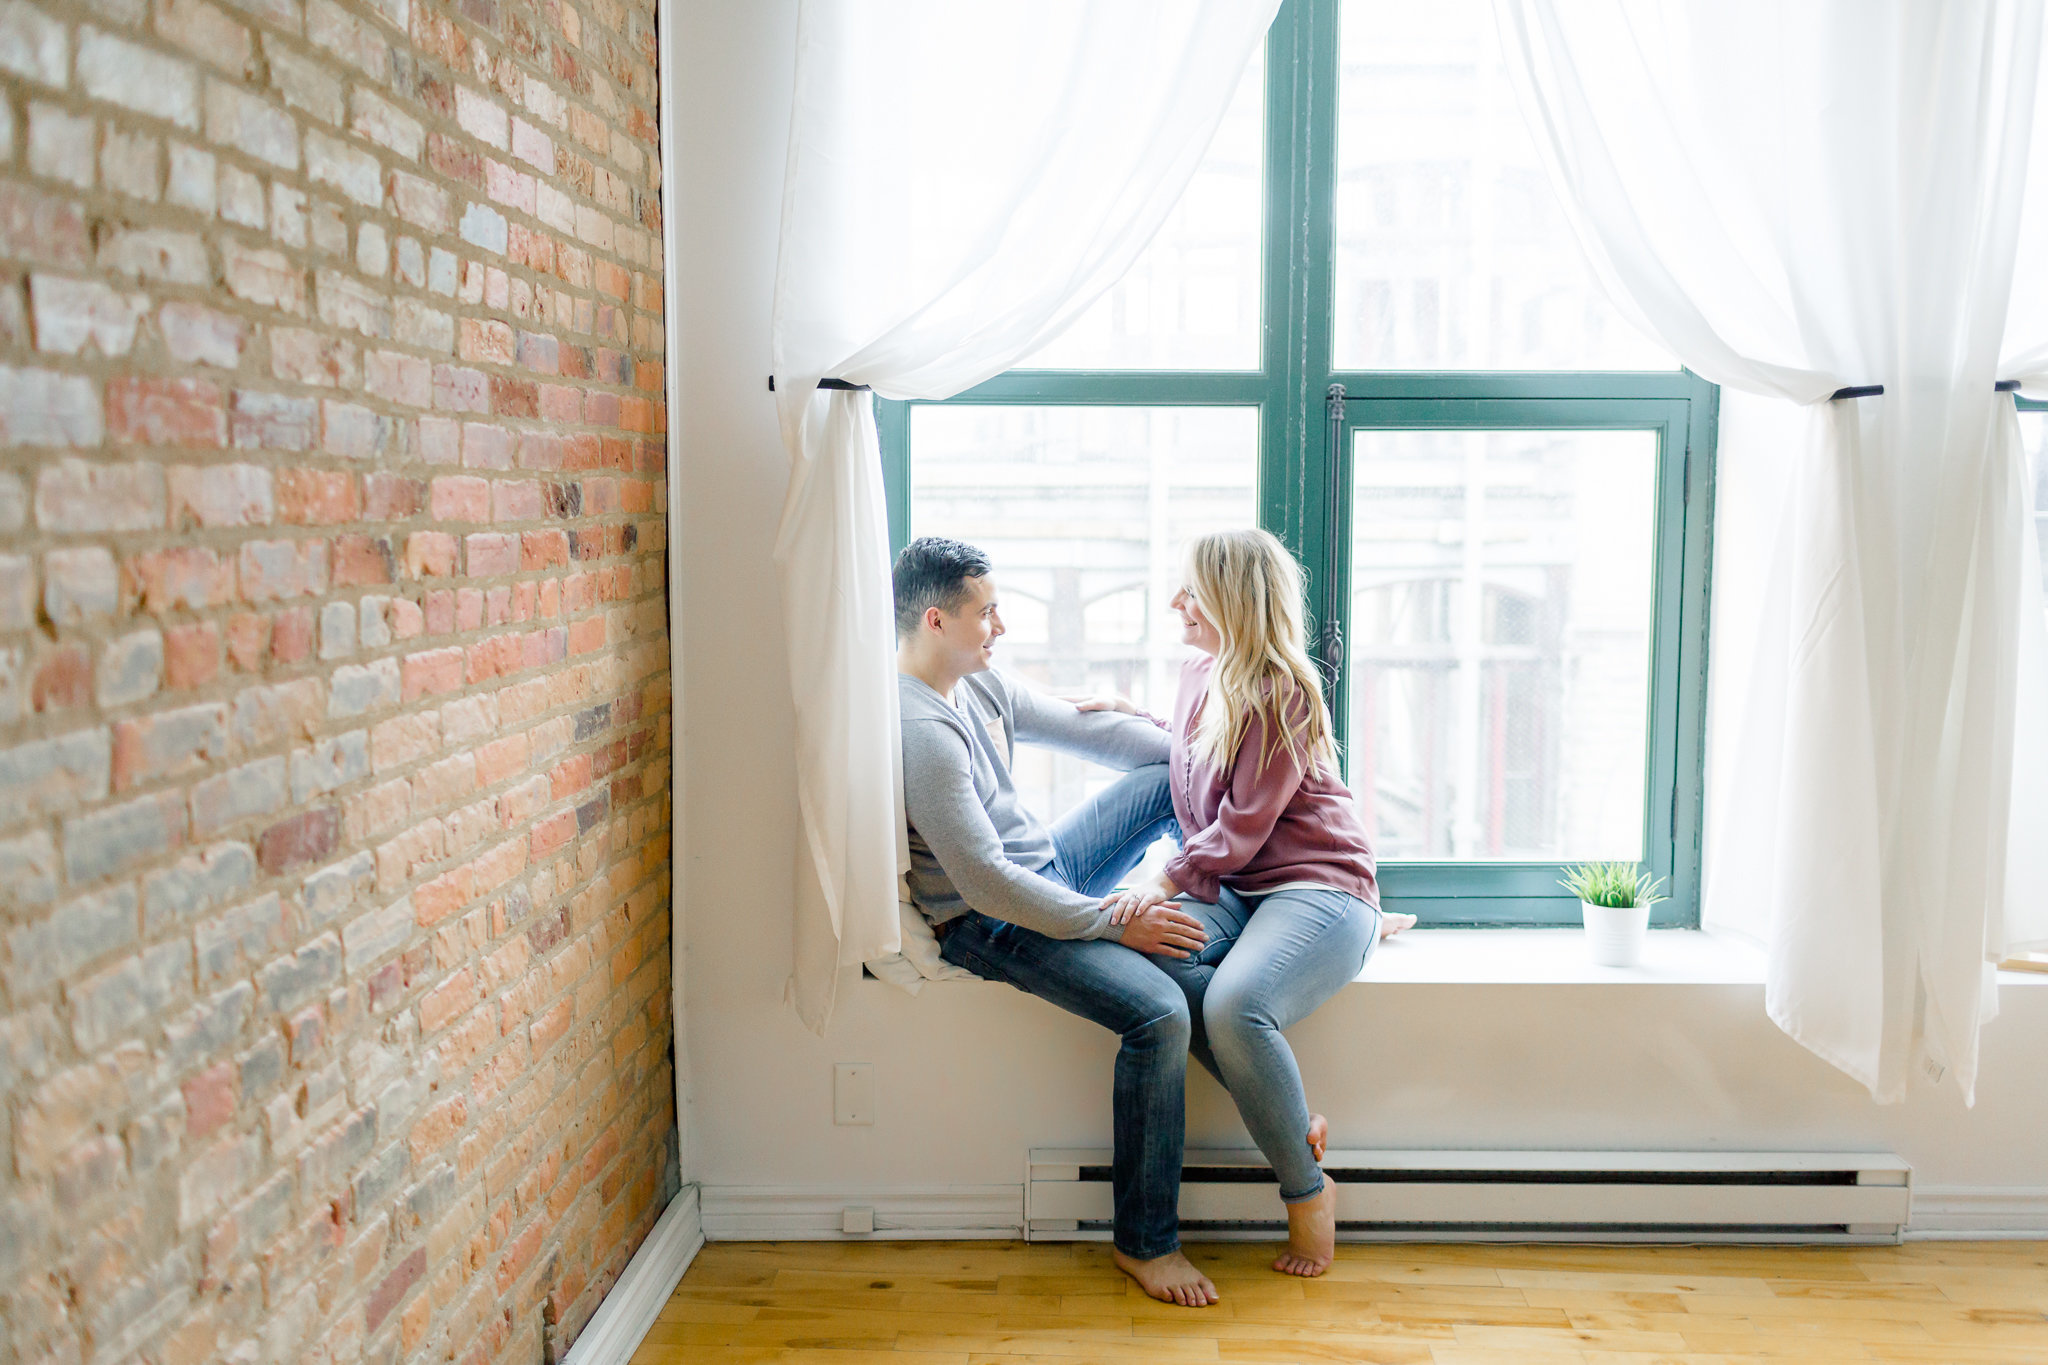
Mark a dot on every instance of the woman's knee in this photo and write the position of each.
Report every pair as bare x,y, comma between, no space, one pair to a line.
1234,1008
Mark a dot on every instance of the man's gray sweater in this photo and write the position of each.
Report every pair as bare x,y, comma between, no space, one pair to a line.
972,843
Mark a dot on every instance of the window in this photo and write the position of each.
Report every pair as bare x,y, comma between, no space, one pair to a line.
1368,329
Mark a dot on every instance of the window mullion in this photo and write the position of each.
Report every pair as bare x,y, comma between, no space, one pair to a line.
1302,66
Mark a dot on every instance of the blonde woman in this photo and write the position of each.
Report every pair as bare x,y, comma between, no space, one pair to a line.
1269,838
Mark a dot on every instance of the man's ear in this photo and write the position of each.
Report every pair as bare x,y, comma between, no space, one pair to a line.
934,619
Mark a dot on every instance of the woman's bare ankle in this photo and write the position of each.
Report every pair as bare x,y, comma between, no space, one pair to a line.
1311,1234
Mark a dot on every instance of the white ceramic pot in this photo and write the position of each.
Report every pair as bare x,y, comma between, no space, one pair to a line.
1614,934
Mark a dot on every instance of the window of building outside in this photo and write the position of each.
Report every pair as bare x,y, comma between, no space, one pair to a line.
1367,327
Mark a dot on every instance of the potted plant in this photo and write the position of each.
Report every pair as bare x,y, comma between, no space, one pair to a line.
1615,899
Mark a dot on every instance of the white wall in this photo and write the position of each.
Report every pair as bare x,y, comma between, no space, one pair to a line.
970,1077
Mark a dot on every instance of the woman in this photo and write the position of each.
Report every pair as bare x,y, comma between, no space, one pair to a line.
1269,834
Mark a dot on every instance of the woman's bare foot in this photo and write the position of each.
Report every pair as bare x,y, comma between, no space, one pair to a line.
1171,1278
1393,922
1311,1234
1318,1135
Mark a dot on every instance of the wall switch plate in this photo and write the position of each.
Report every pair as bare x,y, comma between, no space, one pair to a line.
853,1093
857,1218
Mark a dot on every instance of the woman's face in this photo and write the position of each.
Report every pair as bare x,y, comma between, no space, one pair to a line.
1195,628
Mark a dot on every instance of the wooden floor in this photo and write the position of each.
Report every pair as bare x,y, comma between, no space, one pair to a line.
1006,1303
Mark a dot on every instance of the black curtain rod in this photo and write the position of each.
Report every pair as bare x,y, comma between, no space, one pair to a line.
840,384
1873,390
1854,391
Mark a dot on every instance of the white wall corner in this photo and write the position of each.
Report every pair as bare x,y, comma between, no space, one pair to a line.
621,1322
810,1213
1959,1212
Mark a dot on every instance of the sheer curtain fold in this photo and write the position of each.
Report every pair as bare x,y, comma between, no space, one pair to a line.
962,182
1796,199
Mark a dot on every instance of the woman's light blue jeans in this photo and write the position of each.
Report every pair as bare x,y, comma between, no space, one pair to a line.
1269,963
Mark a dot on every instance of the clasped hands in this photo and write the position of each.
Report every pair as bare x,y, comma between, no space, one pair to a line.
1152,922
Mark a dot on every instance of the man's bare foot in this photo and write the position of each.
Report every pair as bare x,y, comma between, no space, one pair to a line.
1393,922
1311,1234
1171,1278
1318,1135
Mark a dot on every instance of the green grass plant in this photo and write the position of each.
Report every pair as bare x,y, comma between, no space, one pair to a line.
1617,885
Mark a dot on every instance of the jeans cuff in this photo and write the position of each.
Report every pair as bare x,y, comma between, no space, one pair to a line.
1146,1255
1315,1190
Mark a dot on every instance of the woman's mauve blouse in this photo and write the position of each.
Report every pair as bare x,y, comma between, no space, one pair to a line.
1251,828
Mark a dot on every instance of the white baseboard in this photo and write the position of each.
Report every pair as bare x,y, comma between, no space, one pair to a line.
770,1213
1960,1212
620,1323
810,1213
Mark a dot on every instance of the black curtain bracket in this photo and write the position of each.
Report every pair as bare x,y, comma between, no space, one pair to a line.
839,384
1874,390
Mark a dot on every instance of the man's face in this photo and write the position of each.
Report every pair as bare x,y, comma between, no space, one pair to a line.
968,634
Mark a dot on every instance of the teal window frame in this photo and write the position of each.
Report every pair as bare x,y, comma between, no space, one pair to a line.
1304,458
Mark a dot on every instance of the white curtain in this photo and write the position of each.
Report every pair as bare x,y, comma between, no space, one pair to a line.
1796,199
963,181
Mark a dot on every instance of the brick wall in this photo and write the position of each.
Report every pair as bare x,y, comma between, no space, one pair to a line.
334,722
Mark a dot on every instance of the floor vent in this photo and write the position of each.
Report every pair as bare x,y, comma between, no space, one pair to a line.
1512,1196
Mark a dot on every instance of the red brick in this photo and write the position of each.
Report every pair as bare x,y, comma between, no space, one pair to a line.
392,1289
272,569
316,497
440,609
191,654
63,679
391,497
447,1000
514,397
500,759
248,640
487,556
437,1126
551,833
189,576
291,635
551,1026
460,498
432,671
429,553
166,412
543,549
360,560
307,837
210,1099
586,635
489,658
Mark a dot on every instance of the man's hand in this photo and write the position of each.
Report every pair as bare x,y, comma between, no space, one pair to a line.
1127,904
1165,931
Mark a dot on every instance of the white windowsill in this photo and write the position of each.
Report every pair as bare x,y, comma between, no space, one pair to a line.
1557,957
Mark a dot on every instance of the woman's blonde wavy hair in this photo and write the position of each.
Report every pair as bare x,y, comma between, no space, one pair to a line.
1250,588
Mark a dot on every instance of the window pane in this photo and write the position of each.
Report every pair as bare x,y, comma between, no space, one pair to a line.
1191,300
1451,251
1499,652
2034,436
1084,511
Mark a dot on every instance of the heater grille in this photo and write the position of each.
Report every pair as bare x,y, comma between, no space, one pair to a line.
1520,1196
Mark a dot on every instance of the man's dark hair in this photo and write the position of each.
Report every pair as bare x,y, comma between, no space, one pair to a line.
933,571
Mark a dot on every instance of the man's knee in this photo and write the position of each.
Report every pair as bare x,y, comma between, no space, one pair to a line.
1164,1020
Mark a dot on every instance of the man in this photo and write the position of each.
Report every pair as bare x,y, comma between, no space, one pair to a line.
1012,900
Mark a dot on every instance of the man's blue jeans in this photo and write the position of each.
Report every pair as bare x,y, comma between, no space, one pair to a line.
1095,847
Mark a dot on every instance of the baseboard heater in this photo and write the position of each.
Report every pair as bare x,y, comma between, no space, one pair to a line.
1510,1196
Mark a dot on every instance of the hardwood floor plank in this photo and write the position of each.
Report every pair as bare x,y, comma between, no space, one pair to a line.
985,1303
